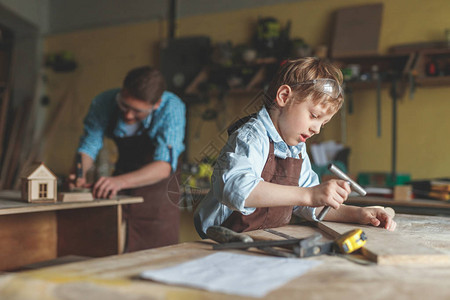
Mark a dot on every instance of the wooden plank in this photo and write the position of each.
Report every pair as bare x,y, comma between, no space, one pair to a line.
4,98
357,30
8,163
16,145
26,239
393,248
6,78
13,207
368,200
75,197
10,203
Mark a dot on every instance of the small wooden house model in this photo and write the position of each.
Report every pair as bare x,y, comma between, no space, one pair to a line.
39,184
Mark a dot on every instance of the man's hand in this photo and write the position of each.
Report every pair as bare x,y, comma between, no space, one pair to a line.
107,187
74,182
376,217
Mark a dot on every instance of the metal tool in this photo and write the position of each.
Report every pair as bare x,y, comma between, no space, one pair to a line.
310,246
379,106
79,166
278,233
356,187
79,174
346,243
233,240
300,247
306,247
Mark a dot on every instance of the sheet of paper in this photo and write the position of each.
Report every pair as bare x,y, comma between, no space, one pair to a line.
230,273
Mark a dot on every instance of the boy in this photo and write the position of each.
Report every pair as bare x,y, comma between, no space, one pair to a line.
263,173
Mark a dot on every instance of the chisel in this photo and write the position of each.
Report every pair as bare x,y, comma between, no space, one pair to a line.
79,166
356,187
79,175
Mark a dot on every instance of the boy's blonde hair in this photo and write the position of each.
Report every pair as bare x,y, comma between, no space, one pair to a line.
301,70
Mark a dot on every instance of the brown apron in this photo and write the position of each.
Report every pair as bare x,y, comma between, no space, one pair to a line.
156,221
276,170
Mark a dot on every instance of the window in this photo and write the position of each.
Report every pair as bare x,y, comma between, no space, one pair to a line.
42,190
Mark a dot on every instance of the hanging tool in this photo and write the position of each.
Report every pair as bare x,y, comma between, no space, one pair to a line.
378,106
412,83
306,247
356,187
349,94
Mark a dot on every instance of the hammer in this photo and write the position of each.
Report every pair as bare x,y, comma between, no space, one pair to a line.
356,187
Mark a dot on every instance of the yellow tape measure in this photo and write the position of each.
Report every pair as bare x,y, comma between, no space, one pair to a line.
351,241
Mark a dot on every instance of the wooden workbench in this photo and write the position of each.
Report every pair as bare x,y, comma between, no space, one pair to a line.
115,277
34,232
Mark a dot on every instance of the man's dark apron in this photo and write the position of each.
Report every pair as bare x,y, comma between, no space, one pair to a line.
276,170
155,222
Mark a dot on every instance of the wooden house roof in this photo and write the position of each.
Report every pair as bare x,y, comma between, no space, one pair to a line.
38,171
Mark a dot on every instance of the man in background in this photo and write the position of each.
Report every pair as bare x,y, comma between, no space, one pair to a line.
147,124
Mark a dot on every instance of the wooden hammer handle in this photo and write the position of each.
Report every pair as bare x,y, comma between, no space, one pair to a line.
224,235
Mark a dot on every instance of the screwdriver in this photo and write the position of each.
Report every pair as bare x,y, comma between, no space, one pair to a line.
356,187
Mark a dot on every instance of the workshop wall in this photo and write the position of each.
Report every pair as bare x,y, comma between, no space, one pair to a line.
104,55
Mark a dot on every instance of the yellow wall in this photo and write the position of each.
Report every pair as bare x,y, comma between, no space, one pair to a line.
104,55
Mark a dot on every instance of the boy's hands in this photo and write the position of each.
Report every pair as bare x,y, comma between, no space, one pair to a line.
376,217
330,193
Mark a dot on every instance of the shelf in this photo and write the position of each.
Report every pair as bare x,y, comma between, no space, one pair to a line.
390,67
195,97
236,80
436,52
366,85
398,63
434,81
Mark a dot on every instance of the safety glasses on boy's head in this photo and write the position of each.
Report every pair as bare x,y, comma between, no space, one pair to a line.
327,86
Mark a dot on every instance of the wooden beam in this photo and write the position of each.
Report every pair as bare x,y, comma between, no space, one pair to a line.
391,247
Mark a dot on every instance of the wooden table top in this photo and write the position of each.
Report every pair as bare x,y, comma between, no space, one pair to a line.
115,277
10,203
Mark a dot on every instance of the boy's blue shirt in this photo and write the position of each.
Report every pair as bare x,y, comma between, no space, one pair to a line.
238,170
167,130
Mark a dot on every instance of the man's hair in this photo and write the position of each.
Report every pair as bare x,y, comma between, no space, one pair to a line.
301,70
144,83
